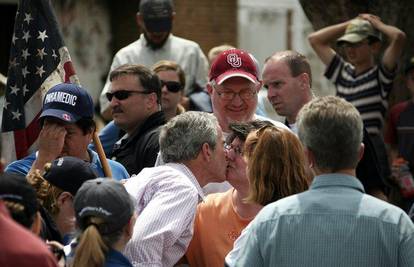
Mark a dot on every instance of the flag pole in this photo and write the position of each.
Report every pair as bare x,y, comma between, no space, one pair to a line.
102,156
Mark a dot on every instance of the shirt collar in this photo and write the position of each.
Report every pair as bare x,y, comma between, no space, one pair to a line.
184,169
145,43
336,179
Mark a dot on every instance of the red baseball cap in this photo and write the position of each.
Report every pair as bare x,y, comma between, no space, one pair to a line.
234,63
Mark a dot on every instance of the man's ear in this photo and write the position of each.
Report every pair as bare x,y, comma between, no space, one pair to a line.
37,224
140,21
206,151
309,157
151,100
376,47
210,89
361,151
305,80
63,197
259,86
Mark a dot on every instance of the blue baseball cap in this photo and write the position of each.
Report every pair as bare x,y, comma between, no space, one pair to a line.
67,102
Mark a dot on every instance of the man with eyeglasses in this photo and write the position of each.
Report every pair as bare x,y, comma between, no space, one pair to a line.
233,87
221,217
135,100
359,79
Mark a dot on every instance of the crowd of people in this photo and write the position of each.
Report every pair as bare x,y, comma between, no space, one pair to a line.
197,178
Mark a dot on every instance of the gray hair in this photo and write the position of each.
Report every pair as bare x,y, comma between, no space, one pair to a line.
332,129
182,137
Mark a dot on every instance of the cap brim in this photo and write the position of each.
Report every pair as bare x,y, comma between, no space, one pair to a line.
59,114
351,38
235,73
158,25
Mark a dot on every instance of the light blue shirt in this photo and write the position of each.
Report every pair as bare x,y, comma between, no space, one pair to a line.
24,165
333,224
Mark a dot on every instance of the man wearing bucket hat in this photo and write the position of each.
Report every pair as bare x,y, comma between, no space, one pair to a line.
155,19
67,129
359,79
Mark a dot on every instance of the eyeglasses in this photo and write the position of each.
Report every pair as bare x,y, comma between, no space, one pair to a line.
236,149
124,94
245,94
172,86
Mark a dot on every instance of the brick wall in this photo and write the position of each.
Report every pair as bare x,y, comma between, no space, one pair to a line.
207,22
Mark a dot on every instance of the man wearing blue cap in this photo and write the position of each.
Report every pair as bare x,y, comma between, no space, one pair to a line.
157,43
67,129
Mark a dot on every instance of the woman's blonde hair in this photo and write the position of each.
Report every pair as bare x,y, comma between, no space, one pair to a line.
47,194
166,65
92,248
276,165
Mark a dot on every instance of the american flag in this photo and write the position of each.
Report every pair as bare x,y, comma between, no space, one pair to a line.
38,61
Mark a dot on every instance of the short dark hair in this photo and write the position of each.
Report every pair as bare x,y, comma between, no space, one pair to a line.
296,62
241,130
87,125
148,79
166,65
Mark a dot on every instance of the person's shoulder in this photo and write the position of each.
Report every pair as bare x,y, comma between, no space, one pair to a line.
397,108
22,165
164,175
286,206
23,248
118,169
216,200
376,208
131,48
184,42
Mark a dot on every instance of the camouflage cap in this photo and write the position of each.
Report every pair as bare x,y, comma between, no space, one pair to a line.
357,30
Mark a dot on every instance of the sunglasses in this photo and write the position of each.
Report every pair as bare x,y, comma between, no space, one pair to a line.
124,94
172,86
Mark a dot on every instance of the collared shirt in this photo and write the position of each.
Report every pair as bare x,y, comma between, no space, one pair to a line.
24,165
166,202
333,224
367,91
186,53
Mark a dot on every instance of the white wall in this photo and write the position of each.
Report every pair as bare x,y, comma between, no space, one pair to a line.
263,31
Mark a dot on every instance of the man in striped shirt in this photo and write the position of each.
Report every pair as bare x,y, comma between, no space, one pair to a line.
359,79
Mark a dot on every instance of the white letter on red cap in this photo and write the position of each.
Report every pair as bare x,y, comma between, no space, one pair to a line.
234,60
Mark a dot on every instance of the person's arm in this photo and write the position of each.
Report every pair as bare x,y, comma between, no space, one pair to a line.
396,40
321,41
51,140
161,223
250,253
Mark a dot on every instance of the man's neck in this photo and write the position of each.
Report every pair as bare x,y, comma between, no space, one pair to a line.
350,172
198,172
169,114
362,67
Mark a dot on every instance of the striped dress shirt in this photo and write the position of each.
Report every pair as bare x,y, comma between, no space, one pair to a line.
334,223
166,201
367,91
